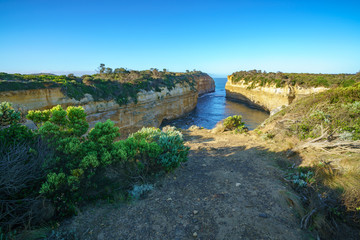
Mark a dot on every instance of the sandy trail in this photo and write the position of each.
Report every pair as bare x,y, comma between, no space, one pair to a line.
228,189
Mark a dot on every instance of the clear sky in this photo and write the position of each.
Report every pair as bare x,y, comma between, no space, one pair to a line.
217,37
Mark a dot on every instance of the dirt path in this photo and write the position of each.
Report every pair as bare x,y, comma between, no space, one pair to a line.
229,189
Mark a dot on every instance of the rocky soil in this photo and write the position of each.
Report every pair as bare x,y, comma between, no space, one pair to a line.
230,188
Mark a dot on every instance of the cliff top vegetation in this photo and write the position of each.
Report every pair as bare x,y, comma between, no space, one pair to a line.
280,79
119,84
325,129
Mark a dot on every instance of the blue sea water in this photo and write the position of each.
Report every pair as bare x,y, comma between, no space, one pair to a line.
214,107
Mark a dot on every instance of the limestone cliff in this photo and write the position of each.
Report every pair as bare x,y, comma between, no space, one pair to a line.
150,110
267,97
205,84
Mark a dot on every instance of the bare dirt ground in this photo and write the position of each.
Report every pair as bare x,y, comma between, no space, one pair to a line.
230,188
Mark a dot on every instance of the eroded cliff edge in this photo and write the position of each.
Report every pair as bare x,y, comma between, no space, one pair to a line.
268,97
205,84
150,109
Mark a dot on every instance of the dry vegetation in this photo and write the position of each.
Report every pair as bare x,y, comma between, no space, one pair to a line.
326,137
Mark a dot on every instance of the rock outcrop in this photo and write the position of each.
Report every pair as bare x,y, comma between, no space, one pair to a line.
267,97
150,110
205,84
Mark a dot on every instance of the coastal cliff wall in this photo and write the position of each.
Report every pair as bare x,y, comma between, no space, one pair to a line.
267,97
205,84
150,109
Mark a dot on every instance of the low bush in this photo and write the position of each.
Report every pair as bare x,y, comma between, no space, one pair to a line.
159,150
55,169
82,162
234,123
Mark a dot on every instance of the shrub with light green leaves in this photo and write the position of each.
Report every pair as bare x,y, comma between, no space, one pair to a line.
81,161
8,115
234,123
159,150
12,131
78,158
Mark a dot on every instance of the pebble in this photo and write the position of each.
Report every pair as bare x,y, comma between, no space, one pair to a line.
169,199
263,215
195,234
204,165
195,212
237,184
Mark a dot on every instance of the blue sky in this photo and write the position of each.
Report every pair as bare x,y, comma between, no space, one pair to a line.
217,37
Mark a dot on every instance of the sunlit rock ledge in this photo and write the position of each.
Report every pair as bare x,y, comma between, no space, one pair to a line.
267,97
150,110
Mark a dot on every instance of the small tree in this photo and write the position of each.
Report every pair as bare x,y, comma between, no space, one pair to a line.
101,68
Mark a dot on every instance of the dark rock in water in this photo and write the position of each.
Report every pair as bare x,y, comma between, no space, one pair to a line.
263,215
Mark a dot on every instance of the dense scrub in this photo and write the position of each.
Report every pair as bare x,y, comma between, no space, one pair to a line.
119,84
258,78
49,173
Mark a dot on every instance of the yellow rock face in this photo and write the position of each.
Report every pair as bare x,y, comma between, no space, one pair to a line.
150,110
152,107
205,84
268,97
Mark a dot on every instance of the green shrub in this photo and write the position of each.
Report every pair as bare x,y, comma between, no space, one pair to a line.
164,150
8,115
234,123
301,176
78,158
82,161
62,164
12,131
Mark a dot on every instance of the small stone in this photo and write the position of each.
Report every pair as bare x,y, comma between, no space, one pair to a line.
263,215
233,209
174,178
169,199
195,234
195,212
237,184
204,165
